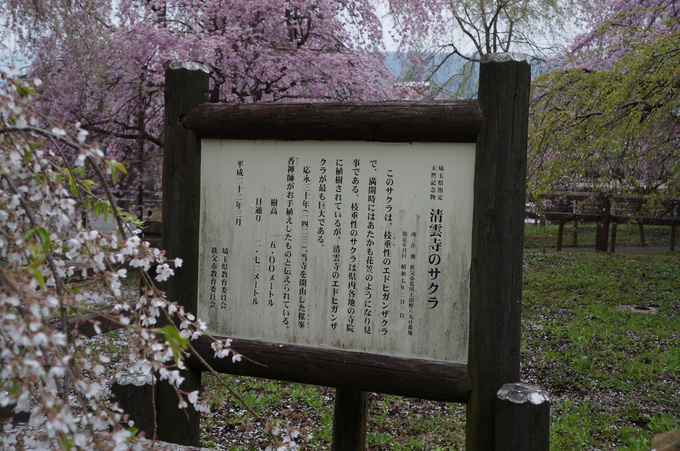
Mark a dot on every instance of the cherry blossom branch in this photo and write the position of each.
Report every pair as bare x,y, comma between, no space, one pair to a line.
48,252
109,195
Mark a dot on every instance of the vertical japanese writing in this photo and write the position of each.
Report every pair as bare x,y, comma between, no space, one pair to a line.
213,277
335,286
352,269
387,255
355,176
434,258
403,286
321,207
370,249
437,182
353,238
389,191
440,183
288,240
258,209
386,274
411,284
239,193
337,214
257,265
225,278
304,248
338,245
271,271
337,232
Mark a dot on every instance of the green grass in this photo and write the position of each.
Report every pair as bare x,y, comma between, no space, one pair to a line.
545,236
395,423
612,374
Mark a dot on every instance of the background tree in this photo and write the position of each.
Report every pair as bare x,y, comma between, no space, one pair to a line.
614,26
449,54
102,60
606,118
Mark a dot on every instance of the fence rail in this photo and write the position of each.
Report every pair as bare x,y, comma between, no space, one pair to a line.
605,221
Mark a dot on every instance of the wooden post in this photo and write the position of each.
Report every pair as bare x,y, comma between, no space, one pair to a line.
574,234
673,235
135,395
349,420
560,235
497,240
612,246
601,236
522,418
185,85
641,231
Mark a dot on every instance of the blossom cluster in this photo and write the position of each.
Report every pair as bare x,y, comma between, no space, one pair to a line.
288,437
53,267
613,27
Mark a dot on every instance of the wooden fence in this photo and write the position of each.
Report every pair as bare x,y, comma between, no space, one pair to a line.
607,224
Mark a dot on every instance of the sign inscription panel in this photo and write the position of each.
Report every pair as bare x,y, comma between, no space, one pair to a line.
347,245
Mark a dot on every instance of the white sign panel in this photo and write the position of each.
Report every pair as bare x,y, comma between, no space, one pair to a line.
347,245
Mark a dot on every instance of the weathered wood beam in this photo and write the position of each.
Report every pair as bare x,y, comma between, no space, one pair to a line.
446,121
425,379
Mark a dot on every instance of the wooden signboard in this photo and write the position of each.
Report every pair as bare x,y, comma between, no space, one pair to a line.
363,246
345,245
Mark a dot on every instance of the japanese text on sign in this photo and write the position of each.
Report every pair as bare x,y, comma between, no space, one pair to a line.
347,245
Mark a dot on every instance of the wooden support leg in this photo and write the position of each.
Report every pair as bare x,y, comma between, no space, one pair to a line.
673,237
349,420
135,395
522,418
612,246
641,230
174,425
560,235
602,234
574,234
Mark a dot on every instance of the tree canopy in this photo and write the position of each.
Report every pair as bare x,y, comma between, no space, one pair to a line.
469,29
606,118
102,60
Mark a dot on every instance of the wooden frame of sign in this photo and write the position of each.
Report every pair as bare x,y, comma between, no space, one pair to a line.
450,333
